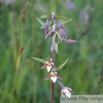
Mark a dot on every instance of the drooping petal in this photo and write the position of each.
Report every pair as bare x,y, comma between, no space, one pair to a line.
53,79
69,41
62,94
48,68
48,77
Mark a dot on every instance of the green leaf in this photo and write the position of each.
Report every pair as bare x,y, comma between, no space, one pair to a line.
47,58
40,60
42,27
54,6
40,21
61,66
62,17
46,16
56,47
66,21
59,36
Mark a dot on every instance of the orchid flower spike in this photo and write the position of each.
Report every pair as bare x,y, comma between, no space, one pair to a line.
67,91
53,76
49,64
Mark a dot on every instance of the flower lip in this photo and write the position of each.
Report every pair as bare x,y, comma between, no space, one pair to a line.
53,76
67,91
49,65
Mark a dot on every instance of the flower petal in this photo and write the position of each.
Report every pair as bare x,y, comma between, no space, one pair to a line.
68,94
48,68
62,93
54,79
67,91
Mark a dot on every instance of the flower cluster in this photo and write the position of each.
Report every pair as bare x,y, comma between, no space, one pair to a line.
54,28
53,75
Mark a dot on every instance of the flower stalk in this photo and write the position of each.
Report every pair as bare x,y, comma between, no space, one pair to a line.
52,85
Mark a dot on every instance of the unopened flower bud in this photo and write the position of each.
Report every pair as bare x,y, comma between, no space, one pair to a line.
52,47
69,41
63,33
63,27
53,15
61,24
47,27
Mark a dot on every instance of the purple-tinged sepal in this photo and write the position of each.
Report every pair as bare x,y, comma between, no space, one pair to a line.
49,34
63,27
61,24
48,77
47,27
63,33
44,66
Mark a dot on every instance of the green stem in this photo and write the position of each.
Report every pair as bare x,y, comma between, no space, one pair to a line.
17,64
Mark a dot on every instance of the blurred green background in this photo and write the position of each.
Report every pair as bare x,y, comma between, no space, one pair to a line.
83,69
